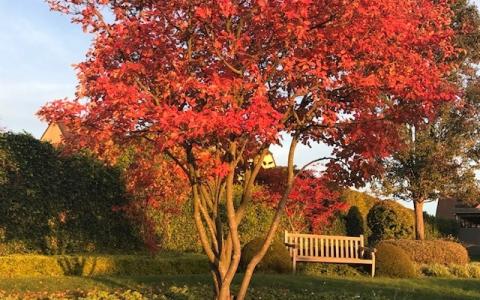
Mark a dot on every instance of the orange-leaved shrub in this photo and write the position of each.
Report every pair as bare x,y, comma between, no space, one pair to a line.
433,251
392,261
276,260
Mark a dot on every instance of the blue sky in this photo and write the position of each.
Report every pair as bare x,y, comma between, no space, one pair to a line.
37,50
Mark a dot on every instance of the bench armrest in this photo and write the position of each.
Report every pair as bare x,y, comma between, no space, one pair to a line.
367,252
368,249
289,245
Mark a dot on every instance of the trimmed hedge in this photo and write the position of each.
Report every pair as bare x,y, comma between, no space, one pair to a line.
276,260
392,261
101,265
433,252
56,204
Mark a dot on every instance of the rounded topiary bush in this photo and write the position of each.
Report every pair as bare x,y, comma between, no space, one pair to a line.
433,252
276,260
392,261
354,222
389,220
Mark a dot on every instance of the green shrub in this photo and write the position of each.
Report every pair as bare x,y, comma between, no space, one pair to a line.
389,220
276,260
354,222
321,269
459,271
15,247
176,232
435,270
363,201
58,203
438,228
100,265
473,270
337,226
257,220
392,261
433,252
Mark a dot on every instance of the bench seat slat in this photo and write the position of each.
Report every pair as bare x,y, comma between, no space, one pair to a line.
333,260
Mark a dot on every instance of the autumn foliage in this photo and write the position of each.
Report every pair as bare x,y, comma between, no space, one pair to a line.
312,203
212,84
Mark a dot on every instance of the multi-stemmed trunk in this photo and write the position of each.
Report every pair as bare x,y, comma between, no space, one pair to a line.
220,241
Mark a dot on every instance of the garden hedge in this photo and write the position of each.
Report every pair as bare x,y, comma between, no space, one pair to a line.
55,203
100,265
276,260
432,252
392,261
177,232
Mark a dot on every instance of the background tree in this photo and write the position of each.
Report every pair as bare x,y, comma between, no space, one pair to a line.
354,222
212,84
439,158
313,201
157,187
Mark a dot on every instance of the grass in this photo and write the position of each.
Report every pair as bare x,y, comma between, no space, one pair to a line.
263,287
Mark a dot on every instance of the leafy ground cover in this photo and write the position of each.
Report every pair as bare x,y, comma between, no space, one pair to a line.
263,287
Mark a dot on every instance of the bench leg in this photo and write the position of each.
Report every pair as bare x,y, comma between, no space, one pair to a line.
294,265
373,268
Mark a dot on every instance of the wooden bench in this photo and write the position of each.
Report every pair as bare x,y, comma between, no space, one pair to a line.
329,249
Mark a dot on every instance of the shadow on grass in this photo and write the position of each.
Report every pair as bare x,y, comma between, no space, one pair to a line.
366,287
311,287
75,266
113,282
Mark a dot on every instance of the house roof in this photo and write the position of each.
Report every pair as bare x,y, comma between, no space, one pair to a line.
54,133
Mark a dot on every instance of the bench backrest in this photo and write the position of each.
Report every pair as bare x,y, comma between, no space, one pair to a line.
312,245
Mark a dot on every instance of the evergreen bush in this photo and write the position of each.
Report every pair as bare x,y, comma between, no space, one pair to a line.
56,203
354,222
276,260
389,220
433,252
392,261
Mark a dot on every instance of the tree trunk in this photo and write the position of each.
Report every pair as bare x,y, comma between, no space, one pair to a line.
419,224
273,226
223,247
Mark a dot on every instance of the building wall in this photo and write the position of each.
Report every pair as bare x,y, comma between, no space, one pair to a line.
446,209
268,161
471,238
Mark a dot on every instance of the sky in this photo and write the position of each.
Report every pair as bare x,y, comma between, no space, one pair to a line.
37,51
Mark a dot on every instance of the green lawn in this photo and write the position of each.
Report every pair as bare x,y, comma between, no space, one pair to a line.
263,287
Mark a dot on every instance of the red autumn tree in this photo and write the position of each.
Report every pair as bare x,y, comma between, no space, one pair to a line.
156,185
312,203
213,83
